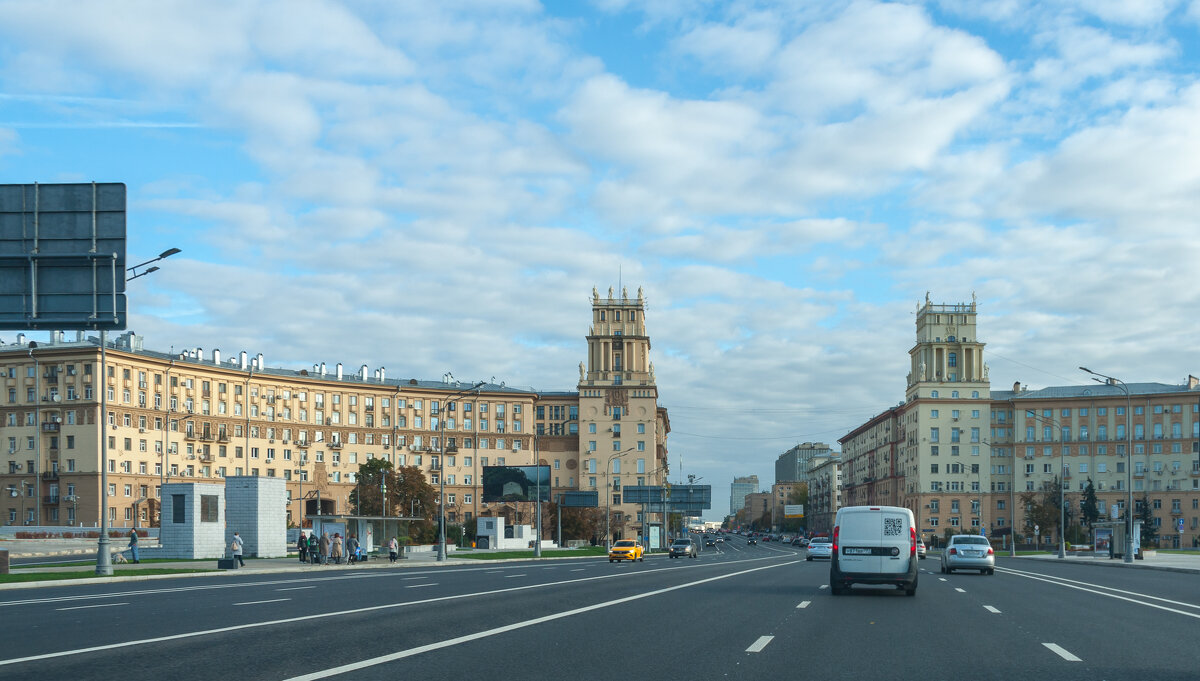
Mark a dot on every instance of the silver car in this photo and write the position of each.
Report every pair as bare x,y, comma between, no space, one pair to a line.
969,551
820,547
921,550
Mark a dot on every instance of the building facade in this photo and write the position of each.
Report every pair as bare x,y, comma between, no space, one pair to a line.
738,490
824,493
196,416
793,465
960,455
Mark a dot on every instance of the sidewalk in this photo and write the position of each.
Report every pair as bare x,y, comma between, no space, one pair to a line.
1173,562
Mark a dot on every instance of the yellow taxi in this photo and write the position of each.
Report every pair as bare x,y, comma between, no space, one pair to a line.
626,549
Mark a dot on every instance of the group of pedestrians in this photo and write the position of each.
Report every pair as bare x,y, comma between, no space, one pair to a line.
325,549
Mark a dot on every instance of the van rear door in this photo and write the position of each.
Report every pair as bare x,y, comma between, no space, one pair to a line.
896,540
860,534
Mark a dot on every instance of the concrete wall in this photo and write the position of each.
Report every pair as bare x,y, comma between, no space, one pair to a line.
192,538
256,507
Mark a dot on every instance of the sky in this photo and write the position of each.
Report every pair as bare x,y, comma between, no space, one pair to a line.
436,187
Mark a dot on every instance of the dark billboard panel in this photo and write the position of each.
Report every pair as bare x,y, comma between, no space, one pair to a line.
515,483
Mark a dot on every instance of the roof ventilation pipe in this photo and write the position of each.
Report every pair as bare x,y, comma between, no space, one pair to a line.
382,374
261,362
242,360
362,373
216,355
322,368
339,371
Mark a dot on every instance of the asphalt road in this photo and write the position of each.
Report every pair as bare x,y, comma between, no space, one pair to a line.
746,612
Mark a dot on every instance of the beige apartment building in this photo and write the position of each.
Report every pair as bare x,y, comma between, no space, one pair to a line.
196,416
960,454
824,493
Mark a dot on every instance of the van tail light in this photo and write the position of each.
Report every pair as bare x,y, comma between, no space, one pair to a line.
991,552
912,533
953,551
835,538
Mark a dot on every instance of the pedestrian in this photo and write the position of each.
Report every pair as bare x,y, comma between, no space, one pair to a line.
324,548
314,548
351,549
392,546
133,545
302,546
336,550
237,546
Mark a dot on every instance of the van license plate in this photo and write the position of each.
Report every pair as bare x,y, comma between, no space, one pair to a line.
856,552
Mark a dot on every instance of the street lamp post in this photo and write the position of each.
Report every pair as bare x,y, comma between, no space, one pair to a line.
1062,481
608,498
441,554
1109,380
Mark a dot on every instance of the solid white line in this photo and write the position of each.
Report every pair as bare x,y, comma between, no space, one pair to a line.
758,645
409,579
961,591
84,607
1068,582
991,609
1040,578
577,570
803,604
297,588
273,600
418,586
325,615
1058,650
400,655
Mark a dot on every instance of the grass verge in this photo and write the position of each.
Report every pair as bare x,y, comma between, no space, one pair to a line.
58,576
552,553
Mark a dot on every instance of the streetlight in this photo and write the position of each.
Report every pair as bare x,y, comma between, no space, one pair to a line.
608,499
1062,482
165,254
441,555
1109,380
37,433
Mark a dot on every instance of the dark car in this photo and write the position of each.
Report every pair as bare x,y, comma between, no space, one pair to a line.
709,541
752,540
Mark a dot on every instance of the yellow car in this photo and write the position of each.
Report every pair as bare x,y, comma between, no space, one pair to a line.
626,549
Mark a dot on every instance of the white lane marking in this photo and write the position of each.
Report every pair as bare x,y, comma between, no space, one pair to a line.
418,586
1058,650
1068,582
803,604
355,611
941,579
273,600
297,588
409,579
758,645
84,607
824,586
1039,578
511,576
991,609
550,568
493,572
577,570
961,591
399,655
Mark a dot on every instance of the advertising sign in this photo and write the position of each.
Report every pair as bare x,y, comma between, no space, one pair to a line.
793,511
1103,539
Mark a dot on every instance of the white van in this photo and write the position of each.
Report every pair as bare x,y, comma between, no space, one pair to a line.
874,545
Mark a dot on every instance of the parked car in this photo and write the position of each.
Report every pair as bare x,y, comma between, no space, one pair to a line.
626,549
971,552
682,547
819,547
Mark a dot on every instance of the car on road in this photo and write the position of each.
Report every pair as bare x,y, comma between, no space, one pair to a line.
682,547
921,550
626,549
752,540
819,547
709,541
969,552
800,541
874,545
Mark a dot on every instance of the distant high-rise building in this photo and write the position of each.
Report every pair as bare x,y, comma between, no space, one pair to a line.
738,491
793,465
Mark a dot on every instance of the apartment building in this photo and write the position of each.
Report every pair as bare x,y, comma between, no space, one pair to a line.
960,454
196,416
824,493
794,464
738,490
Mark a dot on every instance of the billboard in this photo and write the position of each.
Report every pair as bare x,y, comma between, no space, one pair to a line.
515,483
585,499
62,256
793,510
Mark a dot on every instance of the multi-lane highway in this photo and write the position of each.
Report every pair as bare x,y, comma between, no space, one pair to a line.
750,612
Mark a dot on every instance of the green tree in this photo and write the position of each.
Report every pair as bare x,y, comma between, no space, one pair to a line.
367,498
1042,507
1149,531
1089,509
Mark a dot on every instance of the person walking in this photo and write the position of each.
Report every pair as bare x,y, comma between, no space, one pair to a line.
324,548
336,549
351,550
237,547
133,545
392,546
302,546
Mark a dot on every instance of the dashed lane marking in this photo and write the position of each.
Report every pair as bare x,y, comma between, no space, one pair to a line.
273,600
758,645
961,591
803,604
991,609
1061,652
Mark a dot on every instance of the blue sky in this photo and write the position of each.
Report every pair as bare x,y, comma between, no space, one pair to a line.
437,187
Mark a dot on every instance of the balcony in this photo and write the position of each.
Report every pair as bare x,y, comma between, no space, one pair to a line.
51,427
50,475
50,499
